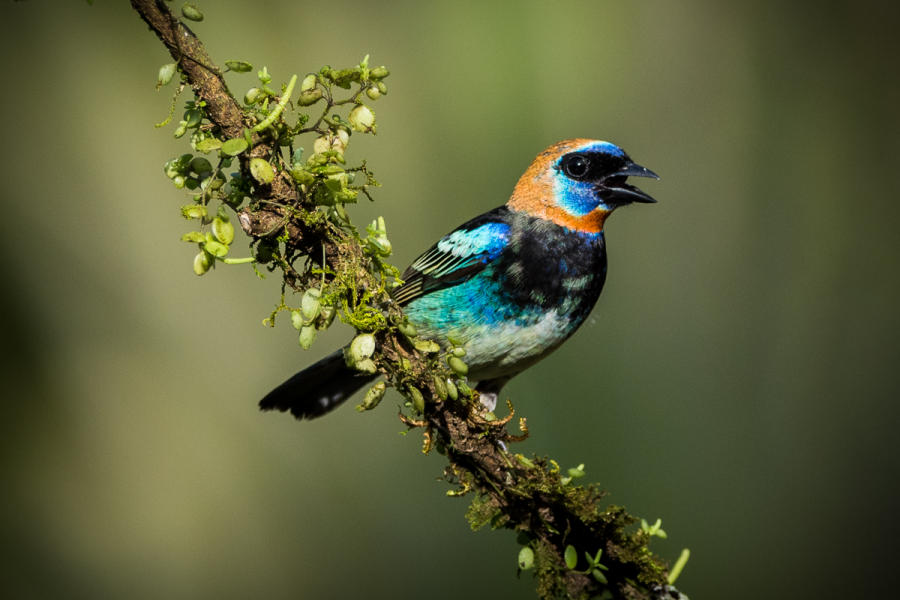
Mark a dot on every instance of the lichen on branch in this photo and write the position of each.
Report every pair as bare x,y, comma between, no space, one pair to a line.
277,165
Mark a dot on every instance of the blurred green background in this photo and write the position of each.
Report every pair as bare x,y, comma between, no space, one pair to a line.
738,378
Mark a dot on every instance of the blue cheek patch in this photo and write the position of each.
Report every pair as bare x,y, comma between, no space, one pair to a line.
576,197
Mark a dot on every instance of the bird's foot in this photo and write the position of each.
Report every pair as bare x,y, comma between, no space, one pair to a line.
486,419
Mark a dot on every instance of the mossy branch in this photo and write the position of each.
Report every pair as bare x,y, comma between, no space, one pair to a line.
577,546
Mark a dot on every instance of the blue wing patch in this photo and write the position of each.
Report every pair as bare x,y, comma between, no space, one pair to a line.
455,258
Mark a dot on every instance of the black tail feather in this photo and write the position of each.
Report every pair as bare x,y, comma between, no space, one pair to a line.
317,389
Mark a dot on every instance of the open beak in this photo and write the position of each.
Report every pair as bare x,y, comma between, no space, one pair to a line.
615,188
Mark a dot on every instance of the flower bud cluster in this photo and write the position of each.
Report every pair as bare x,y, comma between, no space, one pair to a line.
314,314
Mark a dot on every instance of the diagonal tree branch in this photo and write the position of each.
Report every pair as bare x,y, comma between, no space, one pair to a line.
528,496
204,77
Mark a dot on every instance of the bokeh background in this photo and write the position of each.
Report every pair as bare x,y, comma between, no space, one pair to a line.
738,377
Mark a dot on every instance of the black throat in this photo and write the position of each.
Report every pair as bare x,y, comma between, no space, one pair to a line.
548,267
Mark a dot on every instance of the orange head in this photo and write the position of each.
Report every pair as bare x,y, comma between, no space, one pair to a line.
578,183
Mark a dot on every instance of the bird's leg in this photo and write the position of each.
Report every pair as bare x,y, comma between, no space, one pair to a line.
489,391
488,400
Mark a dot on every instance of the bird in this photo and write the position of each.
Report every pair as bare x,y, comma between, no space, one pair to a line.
509,286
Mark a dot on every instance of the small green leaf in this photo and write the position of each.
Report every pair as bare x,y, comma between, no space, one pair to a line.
202,262
193,236
464,389
191,12
223,230
381,246
379,73
452,391
373,397
166,73
207,145
418,401
440,388
571,556
407,328
362,346
525,461
366,365
427,346
362,119
309,97
454,341
239,66
234,146
253,95
193,211
599,576
334,184
193,117
212,182
302,176
310,303
526,558
459,367
309,82
655,529
261,170
177,166
576,472
200,165
307,337
679,566
215,248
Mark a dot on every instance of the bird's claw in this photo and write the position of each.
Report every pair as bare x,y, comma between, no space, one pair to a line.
475,417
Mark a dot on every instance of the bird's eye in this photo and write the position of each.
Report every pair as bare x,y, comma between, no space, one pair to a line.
576,166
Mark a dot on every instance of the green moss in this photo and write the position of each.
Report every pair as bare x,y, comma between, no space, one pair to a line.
482,511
